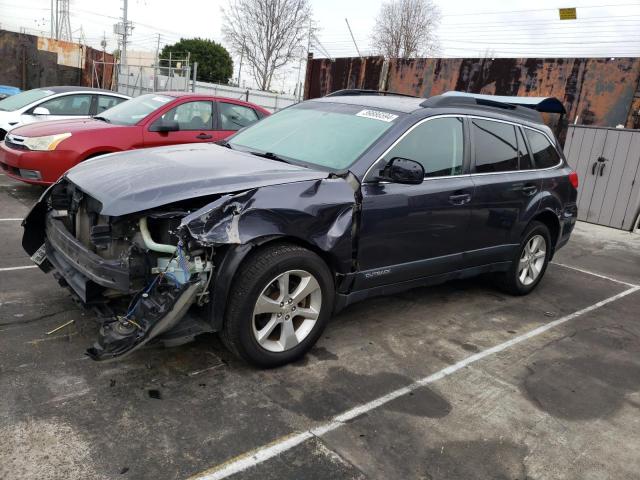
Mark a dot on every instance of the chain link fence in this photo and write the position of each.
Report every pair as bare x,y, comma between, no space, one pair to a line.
137,80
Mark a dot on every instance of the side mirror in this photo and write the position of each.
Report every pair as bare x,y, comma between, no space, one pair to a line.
165,126
41,111
403,170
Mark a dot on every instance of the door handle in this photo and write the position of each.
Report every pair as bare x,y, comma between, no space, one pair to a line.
594,167
602,168
460,199
529,190
204,136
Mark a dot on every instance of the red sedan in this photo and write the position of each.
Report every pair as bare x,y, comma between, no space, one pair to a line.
40,153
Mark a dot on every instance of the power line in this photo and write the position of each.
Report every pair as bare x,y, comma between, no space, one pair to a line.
581,7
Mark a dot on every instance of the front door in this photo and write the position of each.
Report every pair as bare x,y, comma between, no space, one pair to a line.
194,120
76,105
414,231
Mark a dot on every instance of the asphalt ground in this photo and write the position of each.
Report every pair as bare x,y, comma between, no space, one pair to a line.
458,381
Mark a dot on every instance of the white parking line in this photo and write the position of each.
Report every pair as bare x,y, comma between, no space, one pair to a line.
582,270
261,454
10,219
8,269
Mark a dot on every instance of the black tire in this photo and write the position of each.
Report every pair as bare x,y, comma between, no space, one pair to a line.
510,281
256,273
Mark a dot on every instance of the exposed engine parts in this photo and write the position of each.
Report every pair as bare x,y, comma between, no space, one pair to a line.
153,283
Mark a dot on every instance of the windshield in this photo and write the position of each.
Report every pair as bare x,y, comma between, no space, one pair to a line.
23,99
134,110
330,135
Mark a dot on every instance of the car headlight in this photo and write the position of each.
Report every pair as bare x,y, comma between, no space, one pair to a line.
49,142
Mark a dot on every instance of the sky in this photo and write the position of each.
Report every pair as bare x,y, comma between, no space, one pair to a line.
468,28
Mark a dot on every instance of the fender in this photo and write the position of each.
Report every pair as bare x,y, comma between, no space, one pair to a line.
315,213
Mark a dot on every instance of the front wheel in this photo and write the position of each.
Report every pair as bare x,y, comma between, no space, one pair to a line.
280,302
530,263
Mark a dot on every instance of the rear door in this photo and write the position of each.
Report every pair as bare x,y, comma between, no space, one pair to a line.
413,231
505,189
233,117
195,120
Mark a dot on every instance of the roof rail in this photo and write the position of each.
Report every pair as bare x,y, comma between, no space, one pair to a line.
361,91
539,104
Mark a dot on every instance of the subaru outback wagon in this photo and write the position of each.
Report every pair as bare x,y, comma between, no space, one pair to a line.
329,202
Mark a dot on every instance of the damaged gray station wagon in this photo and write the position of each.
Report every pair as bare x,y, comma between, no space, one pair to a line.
332,201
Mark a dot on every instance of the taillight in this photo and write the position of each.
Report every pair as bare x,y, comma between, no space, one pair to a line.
573,178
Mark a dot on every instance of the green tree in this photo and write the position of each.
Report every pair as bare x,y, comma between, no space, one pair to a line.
214,62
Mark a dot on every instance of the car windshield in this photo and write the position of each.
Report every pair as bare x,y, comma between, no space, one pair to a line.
23,99
328,135
134,110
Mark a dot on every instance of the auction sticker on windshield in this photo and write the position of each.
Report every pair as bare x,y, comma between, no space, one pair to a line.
377,115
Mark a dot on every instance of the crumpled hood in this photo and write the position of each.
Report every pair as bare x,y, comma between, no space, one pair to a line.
138,180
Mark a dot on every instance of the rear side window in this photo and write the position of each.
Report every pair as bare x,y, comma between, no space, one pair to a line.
495,145
544,154
523,153
105,102
235,117
437,144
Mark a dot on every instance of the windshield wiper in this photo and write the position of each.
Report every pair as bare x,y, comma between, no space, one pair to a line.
270,156
224,143
104,119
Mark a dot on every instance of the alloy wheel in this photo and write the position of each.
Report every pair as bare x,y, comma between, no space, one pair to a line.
286,310
532,260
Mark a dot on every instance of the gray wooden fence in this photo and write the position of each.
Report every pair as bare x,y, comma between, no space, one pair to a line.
608,164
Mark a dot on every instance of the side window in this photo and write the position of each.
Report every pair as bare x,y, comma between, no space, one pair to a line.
69,105
437,144
105,102
544,154
190,116
235,117
523,153
495,146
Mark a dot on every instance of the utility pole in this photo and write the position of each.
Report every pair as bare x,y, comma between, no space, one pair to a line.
125,31
53,26
300,93
353,38
241,58
158,51
156,66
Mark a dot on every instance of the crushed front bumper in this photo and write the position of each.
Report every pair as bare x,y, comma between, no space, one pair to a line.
83,270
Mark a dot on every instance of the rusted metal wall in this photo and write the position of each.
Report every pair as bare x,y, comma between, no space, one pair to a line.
31,62
325,76
595,91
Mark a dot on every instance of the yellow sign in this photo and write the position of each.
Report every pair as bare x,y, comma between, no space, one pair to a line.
568,14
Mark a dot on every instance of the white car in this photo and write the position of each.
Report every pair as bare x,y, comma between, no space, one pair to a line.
55,103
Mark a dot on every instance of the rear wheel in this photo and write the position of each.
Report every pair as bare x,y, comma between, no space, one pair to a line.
280,302
530,263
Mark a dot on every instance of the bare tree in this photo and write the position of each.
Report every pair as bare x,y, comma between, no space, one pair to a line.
406,28
267,33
